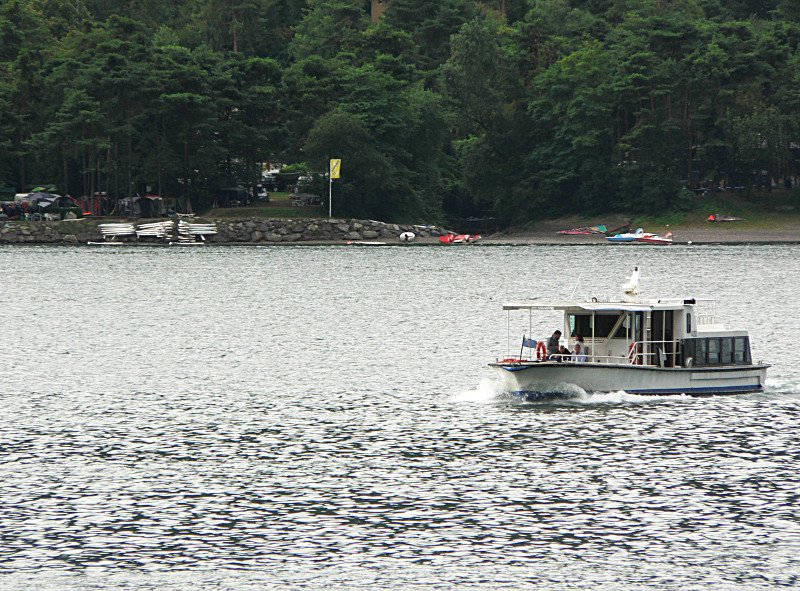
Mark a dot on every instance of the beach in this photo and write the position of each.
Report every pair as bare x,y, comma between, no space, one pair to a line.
783,229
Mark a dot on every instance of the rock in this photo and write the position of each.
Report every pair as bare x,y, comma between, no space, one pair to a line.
70,239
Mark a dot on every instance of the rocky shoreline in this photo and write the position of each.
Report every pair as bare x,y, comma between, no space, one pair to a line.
339,231
250,231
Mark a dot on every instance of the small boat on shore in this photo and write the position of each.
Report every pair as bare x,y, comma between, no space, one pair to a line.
459,238
650,347
715,217
641,236
626,237
601,229
654,238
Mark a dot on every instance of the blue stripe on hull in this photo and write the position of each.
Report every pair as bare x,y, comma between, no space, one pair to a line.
711,391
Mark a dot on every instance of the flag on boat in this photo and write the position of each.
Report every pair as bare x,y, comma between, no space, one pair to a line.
530,343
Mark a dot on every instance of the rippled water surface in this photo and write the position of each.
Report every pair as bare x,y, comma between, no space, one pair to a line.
231,418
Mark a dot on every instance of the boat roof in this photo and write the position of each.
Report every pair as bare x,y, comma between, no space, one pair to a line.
640,306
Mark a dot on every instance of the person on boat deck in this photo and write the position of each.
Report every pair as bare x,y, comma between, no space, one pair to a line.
552,345
563,353
577,354
584,349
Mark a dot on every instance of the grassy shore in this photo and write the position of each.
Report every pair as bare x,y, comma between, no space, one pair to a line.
279,206
773,219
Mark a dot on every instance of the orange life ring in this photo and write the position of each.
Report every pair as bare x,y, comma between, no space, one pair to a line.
541,350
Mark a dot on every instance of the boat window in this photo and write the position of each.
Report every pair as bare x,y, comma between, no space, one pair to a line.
581,324
717,350
741,352
713,351
700,356
727,351
738,350
688,323
603,325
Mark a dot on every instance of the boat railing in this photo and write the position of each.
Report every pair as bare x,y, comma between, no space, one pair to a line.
705,312
651,353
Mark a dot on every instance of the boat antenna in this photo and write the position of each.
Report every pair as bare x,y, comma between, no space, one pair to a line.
572,295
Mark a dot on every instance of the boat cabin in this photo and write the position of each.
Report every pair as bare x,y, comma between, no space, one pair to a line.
662,333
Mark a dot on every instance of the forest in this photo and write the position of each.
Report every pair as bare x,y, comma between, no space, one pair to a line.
439,109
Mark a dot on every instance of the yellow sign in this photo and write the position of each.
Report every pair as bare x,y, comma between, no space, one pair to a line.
336,166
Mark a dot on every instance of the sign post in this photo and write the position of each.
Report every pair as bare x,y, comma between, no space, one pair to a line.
336,166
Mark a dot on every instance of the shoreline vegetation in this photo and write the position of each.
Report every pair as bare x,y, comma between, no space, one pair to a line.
279,222
514,111
768,228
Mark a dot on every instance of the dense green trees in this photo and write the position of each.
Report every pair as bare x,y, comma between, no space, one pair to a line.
443,109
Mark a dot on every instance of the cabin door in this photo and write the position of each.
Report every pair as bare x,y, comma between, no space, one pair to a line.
662,337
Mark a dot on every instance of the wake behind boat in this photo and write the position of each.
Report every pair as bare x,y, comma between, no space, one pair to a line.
651,347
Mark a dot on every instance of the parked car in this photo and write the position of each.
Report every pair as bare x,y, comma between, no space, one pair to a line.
305,199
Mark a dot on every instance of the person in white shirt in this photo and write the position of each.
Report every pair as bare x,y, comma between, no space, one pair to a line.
577,354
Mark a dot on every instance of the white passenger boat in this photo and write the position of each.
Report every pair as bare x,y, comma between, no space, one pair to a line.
651,347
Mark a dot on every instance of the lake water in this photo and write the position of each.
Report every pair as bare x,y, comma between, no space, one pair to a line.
237,418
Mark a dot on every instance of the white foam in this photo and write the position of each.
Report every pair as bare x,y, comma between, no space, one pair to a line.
621,396
782,386
487,390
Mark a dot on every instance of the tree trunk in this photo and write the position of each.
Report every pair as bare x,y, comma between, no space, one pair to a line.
130,172
66,173
235,26
21,163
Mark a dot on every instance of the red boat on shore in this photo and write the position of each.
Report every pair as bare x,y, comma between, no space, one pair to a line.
459,238
654,238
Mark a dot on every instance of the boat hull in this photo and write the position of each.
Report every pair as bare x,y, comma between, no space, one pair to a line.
655,240
536,379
